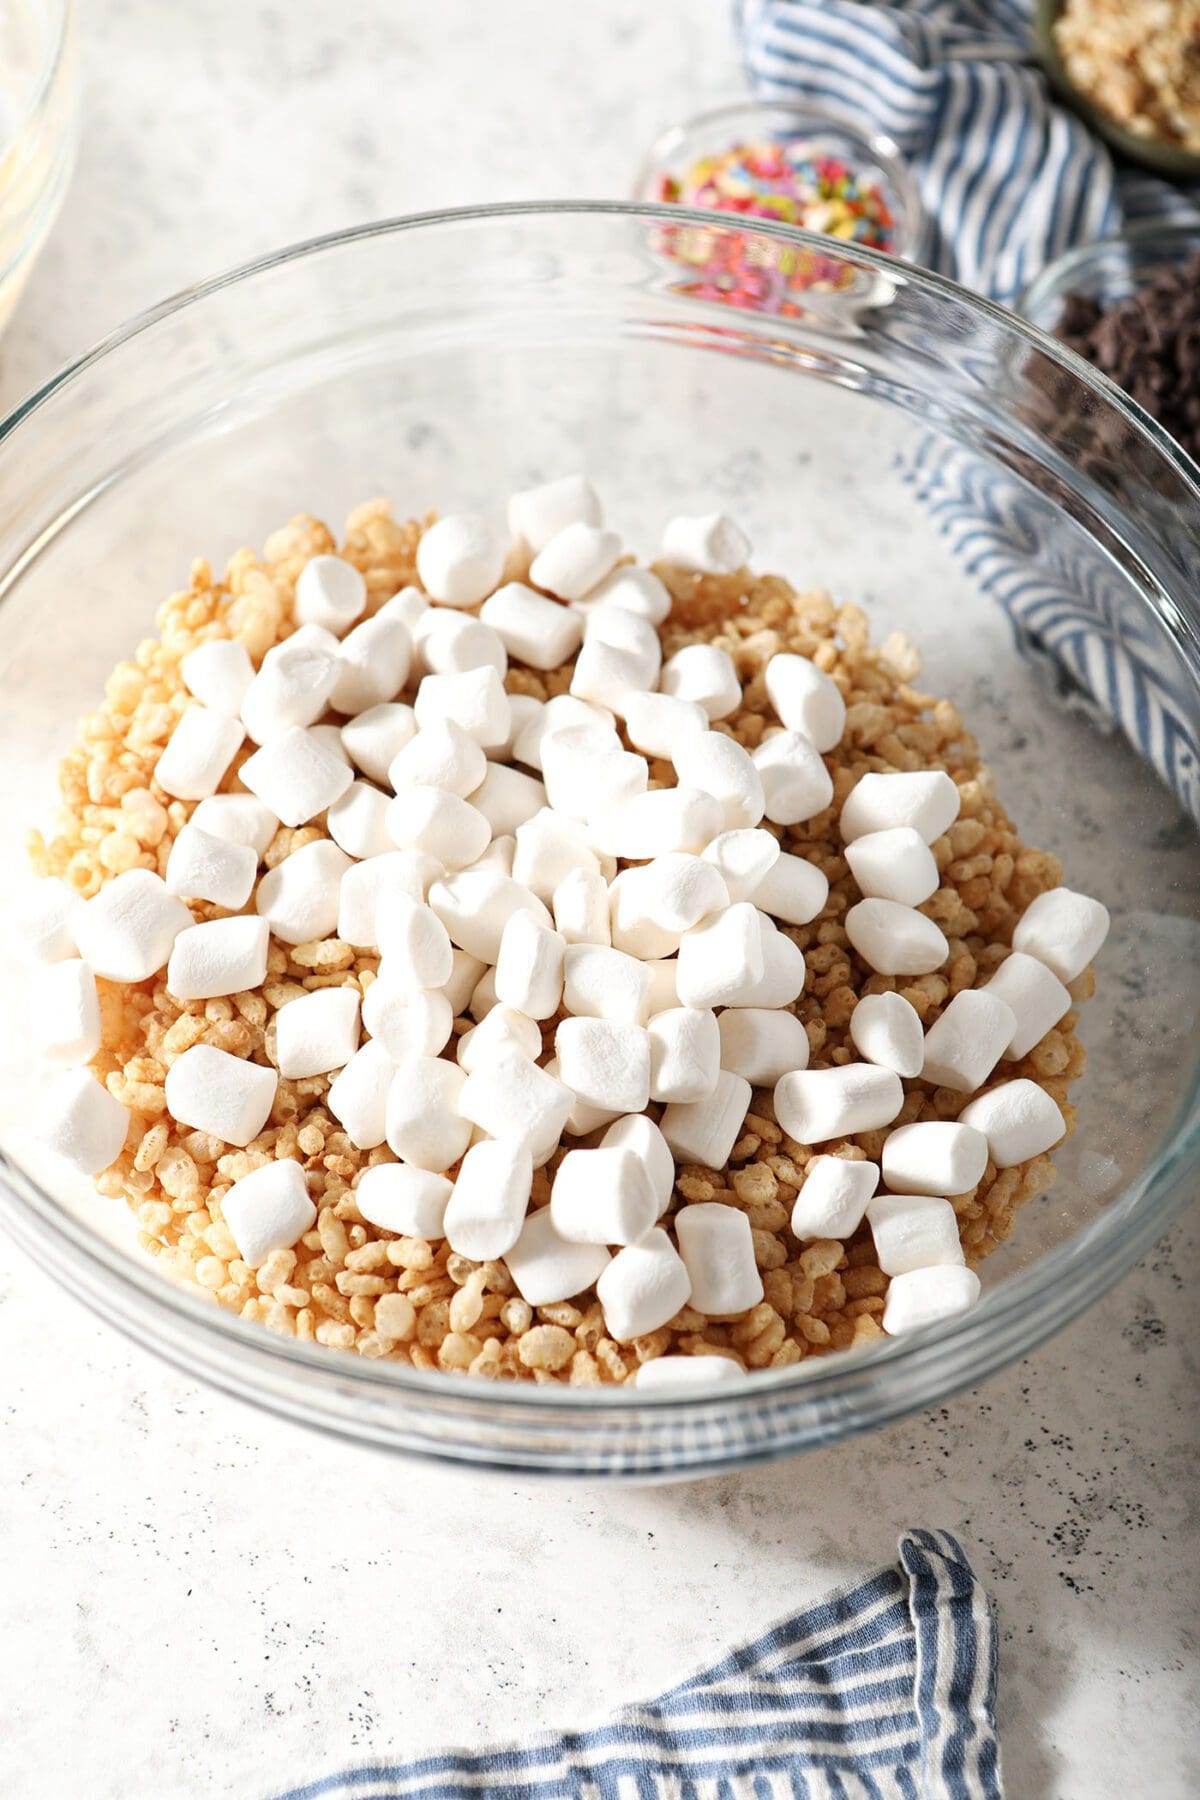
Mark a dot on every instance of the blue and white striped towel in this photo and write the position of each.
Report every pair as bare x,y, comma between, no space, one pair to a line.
885,1689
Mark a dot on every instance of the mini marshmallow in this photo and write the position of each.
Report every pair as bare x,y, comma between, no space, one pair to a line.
1062,929
64,1011
487,1209
587,773
793,890
546,1267
366,884
653,906
296,776
1036,996
300,897
529,968
330,592
635,590
936,1156
1019,1119
913,1231
627,631
413,942
269,1209
442,755
704,675
925,799
503,1025
202,866
317,1032
894,865
886,1029
602,1197
239,819
459,560
450,643
540,632
720,956
717,1248
376,737
550,847
198,753
42,916
653,824
474,699
293,686
761,1043
663,991
668,1374
223,1095
582,1120
407,1022
601,983
606,1062
783,972
477,904
642,1136
721,767
743,860
814,1105
656,724
439,823
80,1121
610,676
705,1131
409,605
372,665
331,737
498,855
643,1287
126,931
894,939
807,700
580,905
410,1202
507,798
685,1054
833,1200
562,713
465,974
357,1096
538,514
706,543
926,1296
508,1096
424,1123
575,559
218,674
523,711
357,821
963,1047
223,956
796,783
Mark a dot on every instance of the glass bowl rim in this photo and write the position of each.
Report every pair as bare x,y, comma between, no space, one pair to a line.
1106,1247
1058,273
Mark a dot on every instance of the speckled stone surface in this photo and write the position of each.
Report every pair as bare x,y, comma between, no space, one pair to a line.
200,1601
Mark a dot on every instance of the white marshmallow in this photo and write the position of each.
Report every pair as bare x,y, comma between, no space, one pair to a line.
706,543
331,737
450,643
508,1096
475,906
64,1011
491,1196
582,1120
743,859
357,1096
376,737
653,906
80,1121
562,713
913,1231
296,775
442,755
239,819
654,824
357,821
330,592
372,665
663,991
814,1105
606,1062
587,773
300,897
465,973
439,823
503,1025
413,942
202,866
409,605
783,972
575,559
424,1123
224,956
642,1136
126,931
410,1202
627,631
317,1032
894,939
833,1200
546,1267
636,590
498,855
792,890
42,915
935,1156
796,784
1063,929
366,884
894,865
529,968
807,700
886,1029
223,1095
550,847
459,559
963,1047
925,799
926,1296
705,676
720,956
685,1054
718,1253
483,995
669,1374
540,632
474,699
269,1209
721,767
523,710
705,1131
580,905
602,1197
293,686
1036,996
539,513
218,674
508,798
656,724
198,753
643,1287
407,1022
601,983
761,1043
1019,1119
610,676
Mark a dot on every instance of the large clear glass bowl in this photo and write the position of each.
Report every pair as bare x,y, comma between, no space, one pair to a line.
889,447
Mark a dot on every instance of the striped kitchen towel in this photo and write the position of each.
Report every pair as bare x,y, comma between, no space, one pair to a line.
885,1689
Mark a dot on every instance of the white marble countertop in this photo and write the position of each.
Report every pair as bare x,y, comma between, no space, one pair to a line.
198,1600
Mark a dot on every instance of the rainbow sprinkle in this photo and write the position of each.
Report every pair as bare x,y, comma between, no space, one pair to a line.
792,182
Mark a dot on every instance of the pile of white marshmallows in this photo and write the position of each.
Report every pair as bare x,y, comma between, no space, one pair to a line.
507,859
